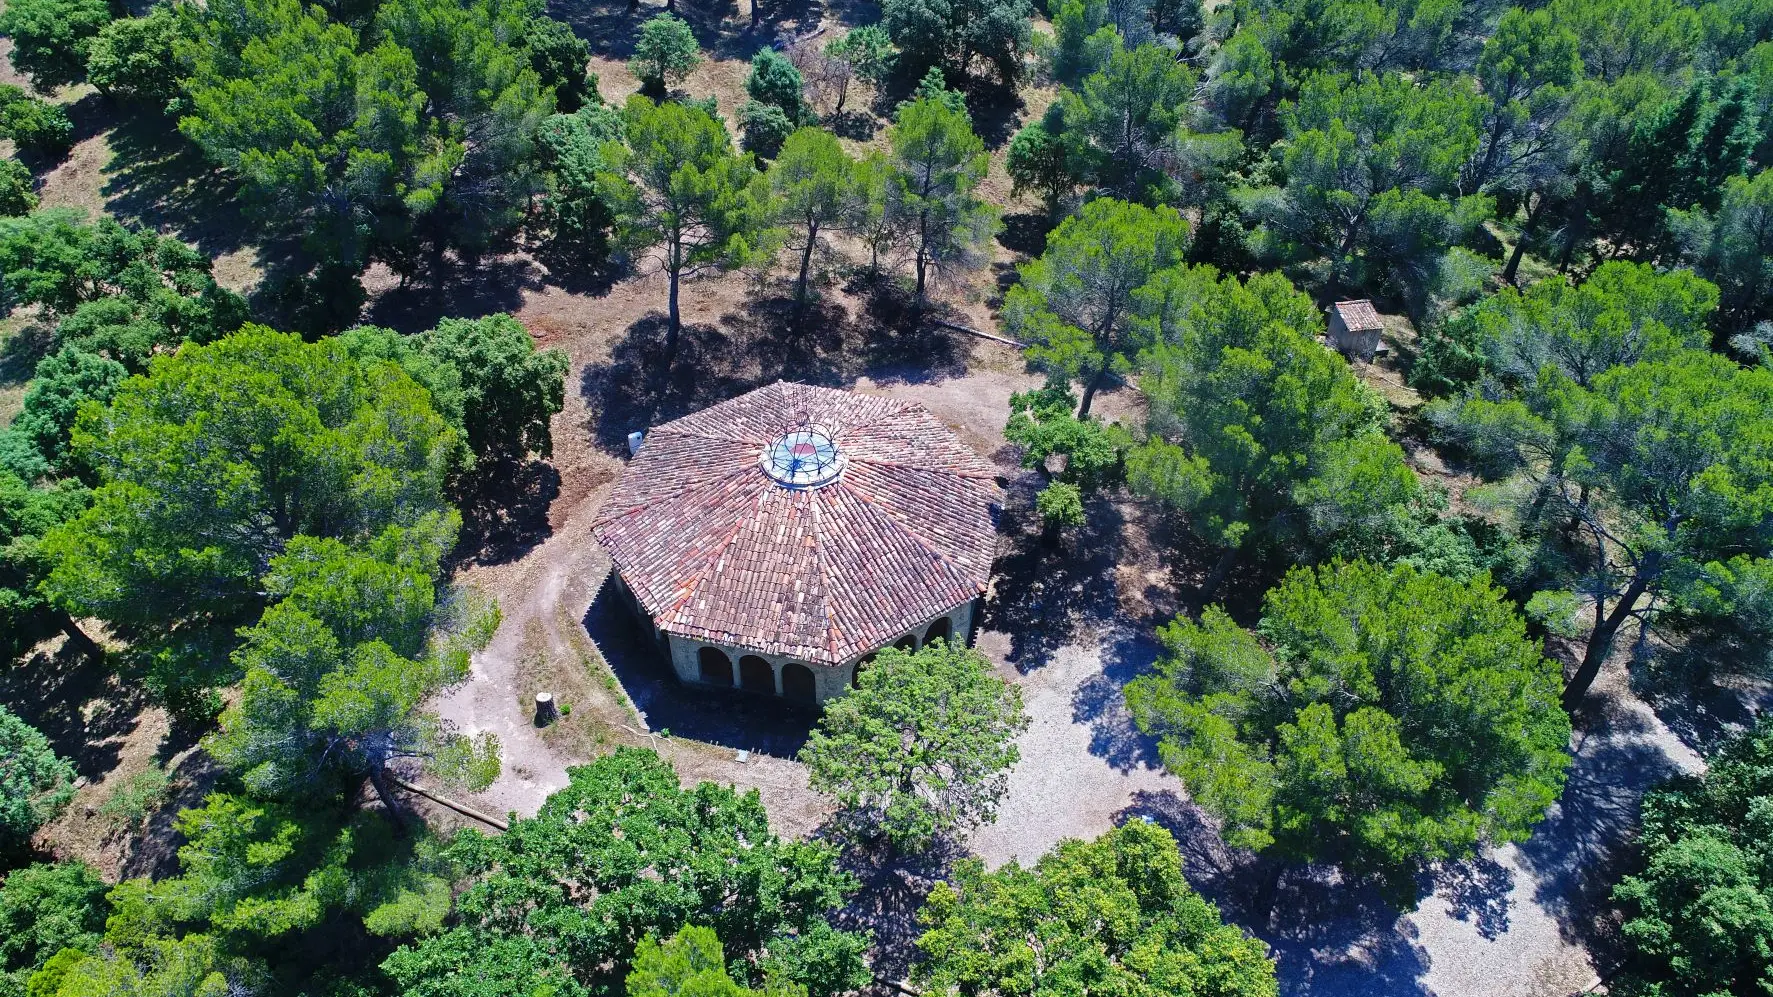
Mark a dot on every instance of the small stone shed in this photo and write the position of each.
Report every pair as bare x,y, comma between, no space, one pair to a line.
772,543
1355,328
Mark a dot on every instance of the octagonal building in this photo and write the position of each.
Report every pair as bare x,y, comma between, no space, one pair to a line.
775,541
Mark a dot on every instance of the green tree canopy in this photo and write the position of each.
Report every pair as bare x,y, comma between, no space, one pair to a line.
26,514
1256,432
1622,313
45,908
813,187
684,195
213,463
922,748
1655,480
337,670
1699,910
17,189
575,214
36,444
258,884
1379,719
115,291
1128,114
415,131
690,963
623,852
1110,916
51,38
1372,167
664,53
136,58
34,125
1079,305
938,164
954,34
35,782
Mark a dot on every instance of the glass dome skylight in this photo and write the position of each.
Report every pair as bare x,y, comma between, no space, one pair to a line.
805,458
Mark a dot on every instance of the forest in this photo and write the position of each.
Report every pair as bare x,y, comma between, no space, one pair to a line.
1435,671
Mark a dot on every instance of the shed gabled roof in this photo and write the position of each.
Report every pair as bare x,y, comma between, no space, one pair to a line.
1359,316
717,549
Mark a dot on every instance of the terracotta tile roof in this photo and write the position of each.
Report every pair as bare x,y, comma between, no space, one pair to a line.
1358,315
716,549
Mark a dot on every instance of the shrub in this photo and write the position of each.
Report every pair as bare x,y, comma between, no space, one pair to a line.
35,782
36,125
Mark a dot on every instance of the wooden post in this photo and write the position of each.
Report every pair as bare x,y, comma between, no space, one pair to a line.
545,711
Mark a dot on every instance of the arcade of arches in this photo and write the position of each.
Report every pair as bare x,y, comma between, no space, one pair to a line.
797,681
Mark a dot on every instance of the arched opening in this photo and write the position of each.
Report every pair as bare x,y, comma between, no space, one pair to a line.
798,683
756,675
716,667
939,630
856,673
907,643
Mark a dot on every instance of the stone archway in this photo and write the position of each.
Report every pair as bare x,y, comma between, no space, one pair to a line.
856,672
940,630
907,643
798,683
714,667
756,675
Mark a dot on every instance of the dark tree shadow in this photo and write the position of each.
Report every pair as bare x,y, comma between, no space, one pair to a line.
723,28
1047,594
1705,713
82,706
1477,890
996,110
728,717
858,126
1026,232
152,849
507,516
158,179
1583,845
1101,702
766,339
21,352
453,288
1326,937
893,890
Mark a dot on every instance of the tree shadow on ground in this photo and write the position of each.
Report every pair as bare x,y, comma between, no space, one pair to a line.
1101,702
727,717
1476,890
453,288
723,28
21,352
1326,938
152,848
1581,848
765,340
1025,232
1045,594
1706,714
893,891
82,706
996,110
507,516
158,179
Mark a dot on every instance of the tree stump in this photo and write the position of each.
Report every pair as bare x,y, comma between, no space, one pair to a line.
546,713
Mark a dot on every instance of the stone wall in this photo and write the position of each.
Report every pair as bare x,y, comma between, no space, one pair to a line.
828,681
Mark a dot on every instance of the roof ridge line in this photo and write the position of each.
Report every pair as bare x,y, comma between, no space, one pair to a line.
865,459
817,504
